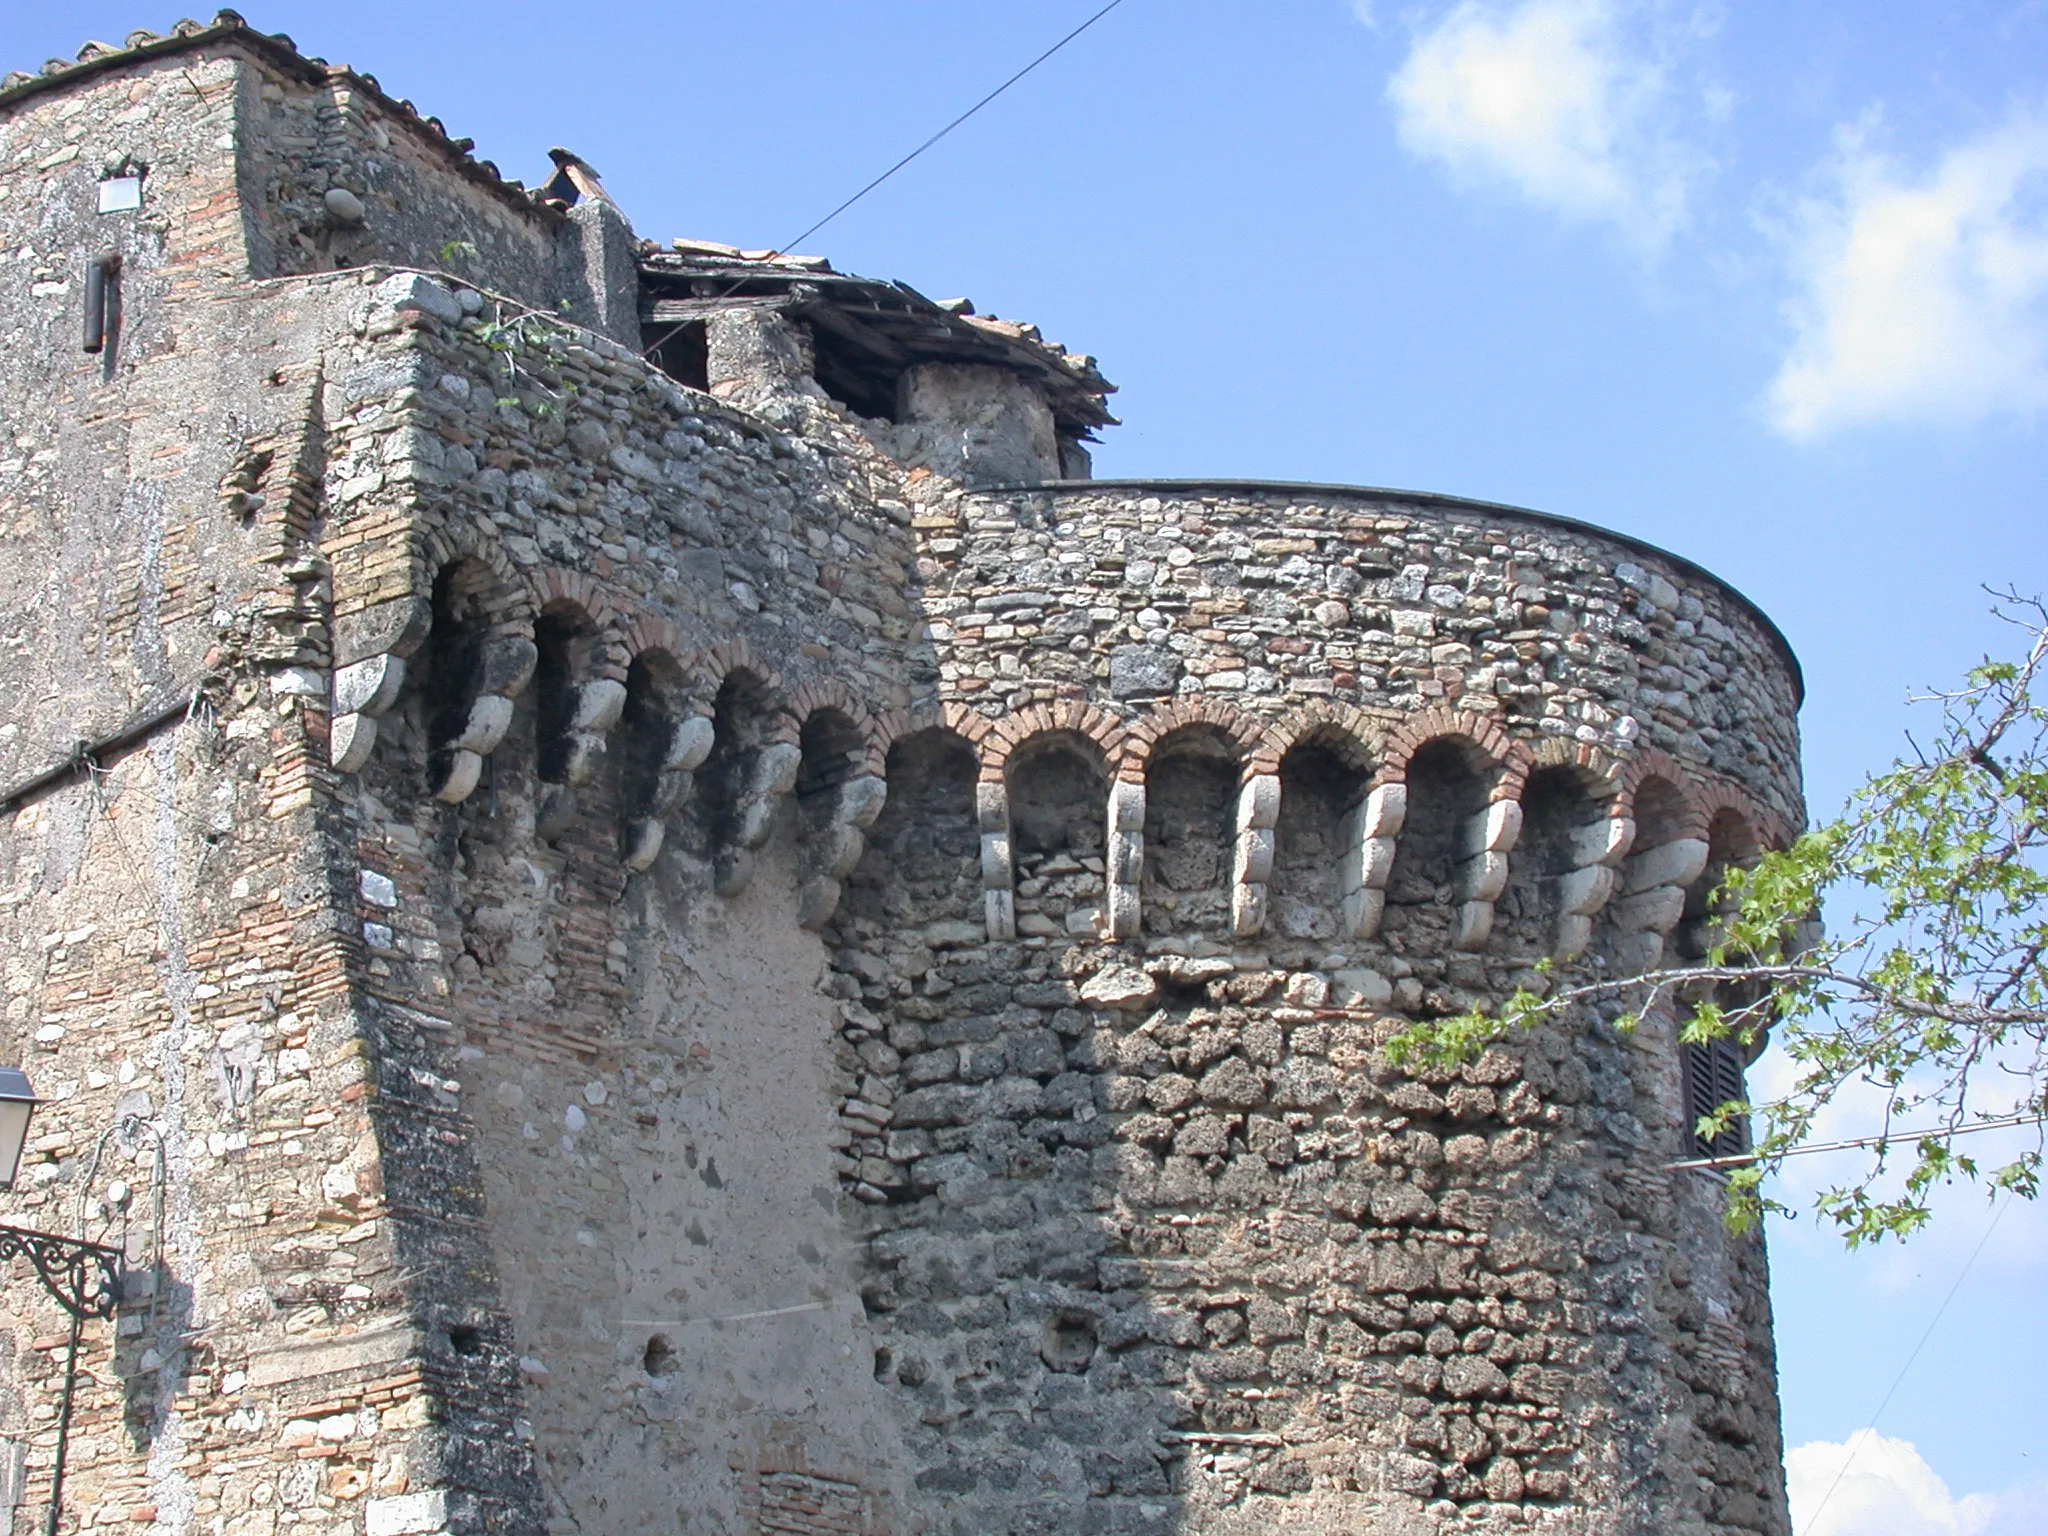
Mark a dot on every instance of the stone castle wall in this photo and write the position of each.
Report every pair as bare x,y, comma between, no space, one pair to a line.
694,974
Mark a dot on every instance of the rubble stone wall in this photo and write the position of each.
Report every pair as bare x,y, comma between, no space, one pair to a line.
692,972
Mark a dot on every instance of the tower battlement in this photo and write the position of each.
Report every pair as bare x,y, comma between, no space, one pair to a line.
716,938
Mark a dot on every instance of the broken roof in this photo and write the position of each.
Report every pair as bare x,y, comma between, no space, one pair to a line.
877,326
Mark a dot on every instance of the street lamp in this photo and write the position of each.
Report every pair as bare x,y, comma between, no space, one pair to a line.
84,1278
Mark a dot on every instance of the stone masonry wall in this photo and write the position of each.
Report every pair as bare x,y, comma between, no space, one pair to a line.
691,975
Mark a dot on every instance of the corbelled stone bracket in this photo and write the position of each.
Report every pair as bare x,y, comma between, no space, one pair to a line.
1489,838
1597,850
1124,867
505,668
839,847
1369,838
647,825
998,865
1258,815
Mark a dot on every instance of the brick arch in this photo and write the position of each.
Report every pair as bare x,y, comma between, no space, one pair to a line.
1511,760
509,601
1256,751
555,589
1103,731
737,657
1649,766
831,693
1764,828
649,634
1596,772
971,726
644,631
1354,735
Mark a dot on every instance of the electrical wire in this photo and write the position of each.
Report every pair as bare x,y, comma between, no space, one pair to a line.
1899,1380
790,245
1936,1133
963,117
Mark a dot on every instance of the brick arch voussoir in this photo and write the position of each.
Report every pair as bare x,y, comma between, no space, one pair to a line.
736,657
612,650
1510,758
830,693
1104,732
1326,722
1645,766
1256,752
509,605
1765,827
649,634
1600,771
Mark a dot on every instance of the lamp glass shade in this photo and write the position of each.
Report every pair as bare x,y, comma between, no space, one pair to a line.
17,1103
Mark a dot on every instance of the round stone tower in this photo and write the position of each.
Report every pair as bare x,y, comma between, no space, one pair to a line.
1247,777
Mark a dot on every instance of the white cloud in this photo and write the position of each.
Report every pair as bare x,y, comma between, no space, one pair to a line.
1922,299
1889,1490
1551,99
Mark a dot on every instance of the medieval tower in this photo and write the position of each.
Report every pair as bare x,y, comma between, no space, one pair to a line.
645,912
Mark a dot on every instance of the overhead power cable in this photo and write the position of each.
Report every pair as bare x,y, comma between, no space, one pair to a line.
1855,1445
928,143
790,245
1935,1132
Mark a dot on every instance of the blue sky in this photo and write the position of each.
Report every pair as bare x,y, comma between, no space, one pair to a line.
1764,283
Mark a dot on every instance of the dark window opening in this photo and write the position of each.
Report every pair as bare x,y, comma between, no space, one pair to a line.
859,380
454,652
739,718
564,638
1067,1342
923,858
1556,807
1058,795
466,1340
1319,792
683,352
1191,787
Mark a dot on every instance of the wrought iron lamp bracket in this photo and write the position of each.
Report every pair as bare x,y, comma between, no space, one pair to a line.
84,1278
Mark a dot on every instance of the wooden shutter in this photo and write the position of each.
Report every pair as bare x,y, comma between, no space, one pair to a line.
1711,1075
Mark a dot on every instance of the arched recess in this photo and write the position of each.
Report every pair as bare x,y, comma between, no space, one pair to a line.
662,737
922,862
1192,776
1057,785
478,657
1561,871
838,797
1324,777
1668,854
1460,817
577,701
746,777
1732,843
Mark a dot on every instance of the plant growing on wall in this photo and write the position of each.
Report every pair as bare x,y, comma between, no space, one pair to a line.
1932,987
